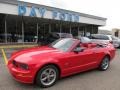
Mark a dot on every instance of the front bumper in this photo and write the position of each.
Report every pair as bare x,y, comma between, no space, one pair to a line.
21,75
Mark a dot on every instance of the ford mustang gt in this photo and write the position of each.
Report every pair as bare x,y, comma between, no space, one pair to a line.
44,65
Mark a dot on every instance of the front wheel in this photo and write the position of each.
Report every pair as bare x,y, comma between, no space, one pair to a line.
47,76
104,64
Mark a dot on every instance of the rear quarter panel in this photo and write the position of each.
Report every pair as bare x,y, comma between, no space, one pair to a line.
112,51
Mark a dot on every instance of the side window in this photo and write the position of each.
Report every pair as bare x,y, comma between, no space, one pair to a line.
101,37
94,37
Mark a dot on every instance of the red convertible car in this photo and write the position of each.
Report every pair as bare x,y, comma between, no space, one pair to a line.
46,64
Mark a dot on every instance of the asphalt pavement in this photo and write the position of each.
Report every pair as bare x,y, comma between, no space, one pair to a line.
90,80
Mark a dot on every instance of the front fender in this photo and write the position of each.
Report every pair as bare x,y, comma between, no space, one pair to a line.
47,62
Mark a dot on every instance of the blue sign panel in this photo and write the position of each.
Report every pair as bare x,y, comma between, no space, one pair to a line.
62,16
58,15
32,12
21,9
76,18
42,11
54,14
69,17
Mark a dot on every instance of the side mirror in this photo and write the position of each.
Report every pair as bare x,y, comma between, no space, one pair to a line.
78,49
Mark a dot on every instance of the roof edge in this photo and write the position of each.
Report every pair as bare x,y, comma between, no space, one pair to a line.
15,2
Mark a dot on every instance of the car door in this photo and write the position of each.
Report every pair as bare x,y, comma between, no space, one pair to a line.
85,59
81,61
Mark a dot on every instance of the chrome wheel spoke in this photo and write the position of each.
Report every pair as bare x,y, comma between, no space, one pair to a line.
50,71
44,79
48,79
52,76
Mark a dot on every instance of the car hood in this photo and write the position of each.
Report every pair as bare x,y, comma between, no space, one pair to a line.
36,54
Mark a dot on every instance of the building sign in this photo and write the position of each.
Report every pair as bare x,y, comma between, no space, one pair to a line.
55,14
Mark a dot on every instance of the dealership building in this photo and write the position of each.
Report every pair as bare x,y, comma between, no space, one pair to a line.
23,22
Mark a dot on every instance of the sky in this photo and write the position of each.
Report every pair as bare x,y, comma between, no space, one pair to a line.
109,9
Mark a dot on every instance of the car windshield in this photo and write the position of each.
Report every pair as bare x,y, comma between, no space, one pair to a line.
63,44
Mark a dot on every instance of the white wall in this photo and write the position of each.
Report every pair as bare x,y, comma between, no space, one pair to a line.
13,9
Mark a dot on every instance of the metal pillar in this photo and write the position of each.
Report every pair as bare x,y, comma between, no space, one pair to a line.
84,31
60,30
44,29
5,29
37,32
70,29
49,28
78,30
22,30
92,30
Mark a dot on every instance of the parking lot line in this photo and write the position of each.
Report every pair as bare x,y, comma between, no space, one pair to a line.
4,56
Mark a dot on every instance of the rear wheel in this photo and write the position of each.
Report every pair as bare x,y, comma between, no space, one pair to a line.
47,76
119,46
104,64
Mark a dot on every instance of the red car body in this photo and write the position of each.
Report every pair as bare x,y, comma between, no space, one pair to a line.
68,62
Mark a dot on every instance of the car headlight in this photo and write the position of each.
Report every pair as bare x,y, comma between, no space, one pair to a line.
15,63
24,66
20,65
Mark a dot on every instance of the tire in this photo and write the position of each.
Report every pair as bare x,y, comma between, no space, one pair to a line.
104,65
119,47
47,76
